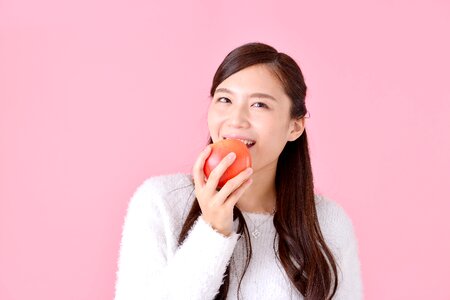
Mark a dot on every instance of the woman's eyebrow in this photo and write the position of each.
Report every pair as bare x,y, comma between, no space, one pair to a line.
254,95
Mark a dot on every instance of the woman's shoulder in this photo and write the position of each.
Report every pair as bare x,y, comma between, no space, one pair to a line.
335,223
168,182
172,193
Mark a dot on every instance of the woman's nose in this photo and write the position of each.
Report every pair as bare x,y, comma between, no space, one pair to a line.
239,117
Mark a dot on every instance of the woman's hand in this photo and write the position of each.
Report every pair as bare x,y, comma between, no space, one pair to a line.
217,206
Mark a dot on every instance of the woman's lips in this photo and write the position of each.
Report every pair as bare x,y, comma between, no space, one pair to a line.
248,142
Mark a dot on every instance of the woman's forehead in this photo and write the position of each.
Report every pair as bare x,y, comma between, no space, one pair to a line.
254,79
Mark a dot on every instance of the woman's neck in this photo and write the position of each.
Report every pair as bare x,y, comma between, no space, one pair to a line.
260,197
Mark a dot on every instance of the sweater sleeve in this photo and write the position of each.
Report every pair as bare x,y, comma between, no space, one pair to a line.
350,283
147,269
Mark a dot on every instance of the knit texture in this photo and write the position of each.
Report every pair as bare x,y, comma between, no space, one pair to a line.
151,265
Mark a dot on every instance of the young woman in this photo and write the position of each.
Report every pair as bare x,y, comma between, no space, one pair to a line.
265,234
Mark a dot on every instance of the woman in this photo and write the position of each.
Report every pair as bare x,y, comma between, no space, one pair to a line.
264,234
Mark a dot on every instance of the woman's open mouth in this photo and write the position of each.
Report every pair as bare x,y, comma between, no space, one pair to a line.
248,143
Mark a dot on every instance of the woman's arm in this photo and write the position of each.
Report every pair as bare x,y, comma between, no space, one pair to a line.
350,283
148,269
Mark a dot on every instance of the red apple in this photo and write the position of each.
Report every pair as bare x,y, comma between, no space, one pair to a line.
221,149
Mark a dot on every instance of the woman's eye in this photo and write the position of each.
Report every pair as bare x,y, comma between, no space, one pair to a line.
260,104
223,99
226,100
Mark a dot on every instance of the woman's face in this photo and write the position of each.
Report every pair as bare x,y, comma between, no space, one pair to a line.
251,105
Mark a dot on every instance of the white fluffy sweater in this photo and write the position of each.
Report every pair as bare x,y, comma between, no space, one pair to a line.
152,266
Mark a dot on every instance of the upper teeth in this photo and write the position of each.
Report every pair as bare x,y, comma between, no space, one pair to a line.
247,142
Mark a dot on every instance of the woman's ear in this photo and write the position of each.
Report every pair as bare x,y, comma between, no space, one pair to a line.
296,128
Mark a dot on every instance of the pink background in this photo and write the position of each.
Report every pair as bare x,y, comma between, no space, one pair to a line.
96,96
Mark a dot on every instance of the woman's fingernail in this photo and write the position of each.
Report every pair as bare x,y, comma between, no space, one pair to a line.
249,171
231,156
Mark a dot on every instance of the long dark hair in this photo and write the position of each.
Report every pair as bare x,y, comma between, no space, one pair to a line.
302,251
